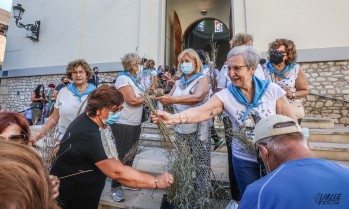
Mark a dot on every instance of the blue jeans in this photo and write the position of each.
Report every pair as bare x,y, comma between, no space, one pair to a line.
246,172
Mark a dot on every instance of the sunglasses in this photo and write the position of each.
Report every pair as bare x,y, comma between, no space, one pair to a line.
15,138
259,157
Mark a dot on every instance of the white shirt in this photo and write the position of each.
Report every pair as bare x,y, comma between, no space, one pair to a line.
188,128
289,82
129,115
206,71
146,79
235,111
68,106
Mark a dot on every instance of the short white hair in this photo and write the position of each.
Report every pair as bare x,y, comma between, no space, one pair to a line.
248,53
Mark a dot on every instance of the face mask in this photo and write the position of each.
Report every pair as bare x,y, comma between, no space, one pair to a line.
187,68
96,73
112,118
276,57
66,83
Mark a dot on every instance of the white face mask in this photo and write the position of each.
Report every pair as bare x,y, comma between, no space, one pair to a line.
187,68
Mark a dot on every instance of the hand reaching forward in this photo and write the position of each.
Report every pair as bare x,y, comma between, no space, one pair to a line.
164,180
55,186
166,117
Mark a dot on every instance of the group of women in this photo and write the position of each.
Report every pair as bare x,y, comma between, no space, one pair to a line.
251,92
82,113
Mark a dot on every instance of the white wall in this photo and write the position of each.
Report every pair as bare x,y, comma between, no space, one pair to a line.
311,24
2,48
98,31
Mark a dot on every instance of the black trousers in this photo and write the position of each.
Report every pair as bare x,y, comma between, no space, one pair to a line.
126,137
234,187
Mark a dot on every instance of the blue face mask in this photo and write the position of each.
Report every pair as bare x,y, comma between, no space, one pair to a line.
113,117
187,67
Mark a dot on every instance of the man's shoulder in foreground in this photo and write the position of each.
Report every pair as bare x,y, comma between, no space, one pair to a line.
304,183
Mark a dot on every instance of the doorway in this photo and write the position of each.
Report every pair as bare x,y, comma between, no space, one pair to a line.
202,32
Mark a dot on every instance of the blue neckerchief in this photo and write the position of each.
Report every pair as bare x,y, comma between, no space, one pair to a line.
159,71
185,82
282,73
71,87
260,86
146,72
133,78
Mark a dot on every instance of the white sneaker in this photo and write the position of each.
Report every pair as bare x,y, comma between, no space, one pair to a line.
232,205
117,194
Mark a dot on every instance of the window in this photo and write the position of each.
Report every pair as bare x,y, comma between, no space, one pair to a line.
218,26
201,26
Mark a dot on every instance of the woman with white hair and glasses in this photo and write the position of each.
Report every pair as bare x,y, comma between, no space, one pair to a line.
246,101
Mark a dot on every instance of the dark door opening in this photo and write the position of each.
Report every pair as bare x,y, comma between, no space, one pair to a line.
200,34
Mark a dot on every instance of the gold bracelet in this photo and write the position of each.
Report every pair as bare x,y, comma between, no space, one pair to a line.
156,182
180,116
186,116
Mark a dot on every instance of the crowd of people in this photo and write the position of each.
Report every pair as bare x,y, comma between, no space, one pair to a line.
259,102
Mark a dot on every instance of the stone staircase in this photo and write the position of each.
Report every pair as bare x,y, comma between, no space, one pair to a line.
328,140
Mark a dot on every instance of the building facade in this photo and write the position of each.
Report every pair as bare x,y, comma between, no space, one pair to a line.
102,32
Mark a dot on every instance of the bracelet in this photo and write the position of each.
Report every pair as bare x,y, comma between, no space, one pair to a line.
180,116
293,94
156,182
186,116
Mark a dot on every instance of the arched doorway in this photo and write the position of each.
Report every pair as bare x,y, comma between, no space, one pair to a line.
200,34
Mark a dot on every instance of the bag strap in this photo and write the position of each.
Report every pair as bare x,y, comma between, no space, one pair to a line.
82,104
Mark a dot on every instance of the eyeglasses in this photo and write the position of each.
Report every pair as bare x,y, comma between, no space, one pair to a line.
78,72
279,51
15,138
118,109
236,68
259,158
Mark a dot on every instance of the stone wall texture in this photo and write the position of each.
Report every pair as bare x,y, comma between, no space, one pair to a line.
15,93
329,79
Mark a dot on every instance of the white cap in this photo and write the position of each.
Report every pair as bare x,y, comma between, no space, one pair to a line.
265,127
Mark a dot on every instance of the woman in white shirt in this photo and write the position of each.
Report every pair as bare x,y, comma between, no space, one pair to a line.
69,98
127,129
246,101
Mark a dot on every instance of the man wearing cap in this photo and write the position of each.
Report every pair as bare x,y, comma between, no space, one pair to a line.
296,178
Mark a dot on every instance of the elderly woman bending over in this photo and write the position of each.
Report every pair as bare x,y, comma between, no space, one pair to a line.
191,91
246,101
86,151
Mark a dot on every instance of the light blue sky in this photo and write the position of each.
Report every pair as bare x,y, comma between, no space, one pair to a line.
6,5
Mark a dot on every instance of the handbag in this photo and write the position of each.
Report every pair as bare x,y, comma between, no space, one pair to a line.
145,113
297,109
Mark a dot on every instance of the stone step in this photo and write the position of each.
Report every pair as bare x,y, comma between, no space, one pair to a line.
317,122
333,135
153,140
153,160
331,151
